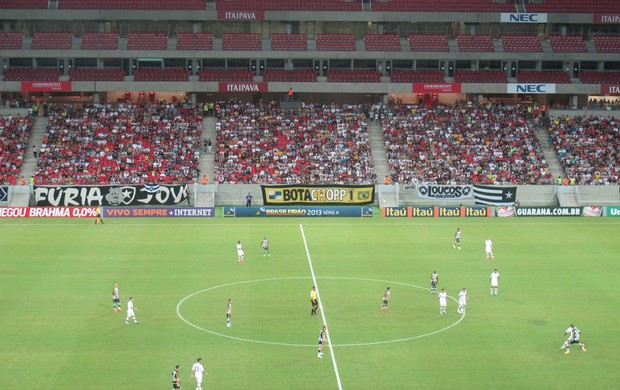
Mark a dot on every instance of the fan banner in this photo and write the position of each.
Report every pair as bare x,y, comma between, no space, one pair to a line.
435,191
147,195
333,195
495,196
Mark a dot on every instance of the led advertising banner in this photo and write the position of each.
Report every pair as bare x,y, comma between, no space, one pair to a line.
303,211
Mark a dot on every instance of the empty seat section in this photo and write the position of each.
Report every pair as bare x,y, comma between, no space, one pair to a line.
194,41
335,42
289,42
11,40
172,74
429,42
567,43
544,76
30,74
134,4
226,75
353,76
99,41
479,76
88,74
576,6
242,41
288,5
296,75
382,42
607,43
594,77
521,43
475,43
23,4
52,41
442,6
147,41
417,76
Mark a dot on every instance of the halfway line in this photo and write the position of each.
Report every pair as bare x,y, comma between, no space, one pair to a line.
318,295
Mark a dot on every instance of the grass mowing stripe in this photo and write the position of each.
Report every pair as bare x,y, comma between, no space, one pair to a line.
318,295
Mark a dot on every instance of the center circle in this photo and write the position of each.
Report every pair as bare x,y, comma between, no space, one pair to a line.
329,314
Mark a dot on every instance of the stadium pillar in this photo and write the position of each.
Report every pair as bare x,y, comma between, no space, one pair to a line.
192,98
574,101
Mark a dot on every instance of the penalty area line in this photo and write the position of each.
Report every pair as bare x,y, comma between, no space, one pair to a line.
318,295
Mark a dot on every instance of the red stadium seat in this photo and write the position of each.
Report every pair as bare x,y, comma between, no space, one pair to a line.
335,42
99,41
219,74
545,76
242,41
521,43
30,74
52,41
296,75
147,41
417,76
428,42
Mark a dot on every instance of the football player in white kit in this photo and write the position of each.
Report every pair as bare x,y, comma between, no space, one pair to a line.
462,301
130,312
494,282
240,253
197,372
443,301
488,248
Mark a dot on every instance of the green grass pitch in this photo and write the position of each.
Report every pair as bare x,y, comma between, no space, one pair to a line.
58,330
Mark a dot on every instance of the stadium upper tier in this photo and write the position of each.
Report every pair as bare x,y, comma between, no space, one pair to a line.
322,42
554,6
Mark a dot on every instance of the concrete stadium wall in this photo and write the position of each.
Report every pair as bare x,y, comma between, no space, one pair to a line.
542,195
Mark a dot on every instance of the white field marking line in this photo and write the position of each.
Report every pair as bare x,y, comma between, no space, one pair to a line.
318,295
311,345
233,337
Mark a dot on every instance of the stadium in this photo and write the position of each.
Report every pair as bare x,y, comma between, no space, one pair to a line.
141,140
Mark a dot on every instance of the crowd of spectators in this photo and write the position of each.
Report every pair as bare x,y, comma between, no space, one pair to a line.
588,148
15,132
121,143
315,144
469,145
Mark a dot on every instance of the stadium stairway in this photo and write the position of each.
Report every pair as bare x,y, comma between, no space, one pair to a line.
377,148
566,195
30,163
204,197
206,160
550,154
568,199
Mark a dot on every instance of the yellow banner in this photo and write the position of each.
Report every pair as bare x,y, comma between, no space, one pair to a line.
337,195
